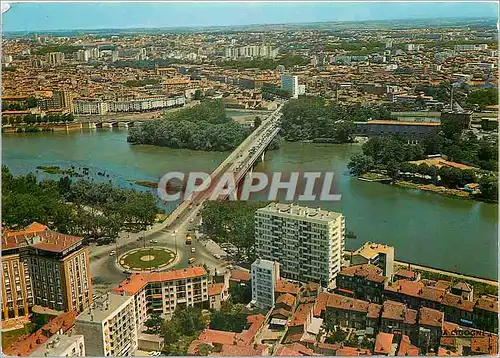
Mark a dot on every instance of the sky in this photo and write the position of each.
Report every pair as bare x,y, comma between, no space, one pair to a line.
93,15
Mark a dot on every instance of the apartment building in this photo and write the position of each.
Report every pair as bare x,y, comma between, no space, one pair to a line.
471,47
145,104
46,268
109,326
307,243
379,255
163,292
291,84
90,106
265,274
54,58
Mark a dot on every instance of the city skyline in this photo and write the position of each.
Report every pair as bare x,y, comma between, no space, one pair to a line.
89,16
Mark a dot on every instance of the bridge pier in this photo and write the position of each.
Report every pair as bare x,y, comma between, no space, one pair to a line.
106,125
89,125
122,125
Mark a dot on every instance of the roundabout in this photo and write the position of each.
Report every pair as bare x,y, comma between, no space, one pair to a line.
148,258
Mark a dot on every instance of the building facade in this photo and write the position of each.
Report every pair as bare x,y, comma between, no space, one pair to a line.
46,268
163,292
109,326
90,106
307,243
291,84
265,274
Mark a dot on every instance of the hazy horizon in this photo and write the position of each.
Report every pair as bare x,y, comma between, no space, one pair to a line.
32,17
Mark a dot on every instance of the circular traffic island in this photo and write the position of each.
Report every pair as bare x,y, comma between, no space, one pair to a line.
145,259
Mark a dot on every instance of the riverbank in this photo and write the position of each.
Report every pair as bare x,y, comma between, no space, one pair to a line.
441,190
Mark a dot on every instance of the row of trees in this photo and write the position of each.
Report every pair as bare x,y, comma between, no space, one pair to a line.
202,127
30,103
82,208
141,83
67,49
311,118
233,222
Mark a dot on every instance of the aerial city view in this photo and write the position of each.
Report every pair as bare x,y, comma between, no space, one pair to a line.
249,179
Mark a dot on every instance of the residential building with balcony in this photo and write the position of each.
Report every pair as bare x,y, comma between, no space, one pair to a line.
163,292
90,106
307,243
375,254
109,326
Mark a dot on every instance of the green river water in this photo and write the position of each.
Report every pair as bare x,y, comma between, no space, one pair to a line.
425,228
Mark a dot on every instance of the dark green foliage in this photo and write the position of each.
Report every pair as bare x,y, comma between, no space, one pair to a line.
178,332
141,83
489,188
57,48
288,60
25,200
482,98
230,318
311,118
240,293
202,127
232,221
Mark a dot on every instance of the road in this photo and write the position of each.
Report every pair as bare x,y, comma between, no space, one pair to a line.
172,232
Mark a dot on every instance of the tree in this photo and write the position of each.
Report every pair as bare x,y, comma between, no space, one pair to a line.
240,293
423,169
197,94
257,122
360,163
468,176
230,318
489,188
393,168
154,324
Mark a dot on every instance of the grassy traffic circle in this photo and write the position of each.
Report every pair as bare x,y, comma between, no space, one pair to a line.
147,258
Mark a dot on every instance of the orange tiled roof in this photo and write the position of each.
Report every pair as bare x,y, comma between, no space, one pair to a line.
247,336
373,310
137,281
405,273
352,352
487,304
406,348
301,349
284,351
457,302
286,298
485,345
239,275
320,303
443,352
346,303
300,315
215,289
27,344
368,271
281,311
430,317
417,289
240,351
213,336
283,286
399,312
383,343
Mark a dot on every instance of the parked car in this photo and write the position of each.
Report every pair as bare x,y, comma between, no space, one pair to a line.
112,253
193,250
153,241
191,260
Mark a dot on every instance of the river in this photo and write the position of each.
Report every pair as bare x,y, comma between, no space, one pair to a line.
425,228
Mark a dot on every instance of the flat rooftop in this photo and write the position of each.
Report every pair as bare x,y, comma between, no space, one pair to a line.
370,249
103,307
56,346
298,212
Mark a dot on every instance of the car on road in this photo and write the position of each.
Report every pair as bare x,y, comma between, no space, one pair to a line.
217,256
193,250
153,241
191,260
191,220
128,272
154,354
112,253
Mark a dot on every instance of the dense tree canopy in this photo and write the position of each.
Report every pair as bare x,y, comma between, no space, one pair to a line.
201,127
311,118
233,222
83,208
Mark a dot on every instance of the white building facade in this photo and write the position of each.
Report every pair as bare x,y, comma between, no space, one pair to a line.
265,274
308,243
109,326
